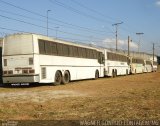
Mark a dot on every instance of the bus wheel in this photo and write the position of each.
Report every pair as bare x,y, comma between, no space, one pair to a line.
96,74
113,73
66,77
58,78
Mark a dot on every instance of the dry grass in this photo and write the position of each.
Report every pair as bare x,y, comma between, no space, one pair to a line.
122,98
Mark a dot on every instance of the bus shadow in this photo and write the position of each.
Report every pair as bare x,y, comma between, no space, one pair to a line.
34,85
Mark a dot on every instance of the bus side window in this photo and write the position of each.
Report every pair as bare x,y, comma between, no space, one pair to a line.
109,56
80,52
71,53
84,55
59,49
48,47
100,58
65,50
113,57
54,48
75,51
41,47
95,54
92,54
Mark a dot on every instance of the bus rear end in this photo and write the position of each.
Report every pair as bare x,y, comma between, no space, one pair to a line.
18,59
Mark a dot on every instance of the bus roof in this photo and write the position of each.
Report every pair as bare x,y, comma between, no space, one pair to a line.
43,37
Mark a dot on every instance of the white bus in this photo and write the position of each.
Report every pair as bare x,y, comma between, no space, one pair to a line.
29,58
147,66
116,64
137,65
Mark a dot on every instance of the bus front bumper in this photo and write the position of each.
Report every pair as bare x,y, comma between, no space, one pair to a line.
21,79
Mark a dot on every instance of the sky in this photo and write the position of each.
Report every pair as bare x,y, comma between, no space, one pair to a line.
86,21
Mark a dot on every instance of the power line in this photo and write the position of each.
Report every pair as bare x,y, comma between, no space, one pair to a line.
92,10
12,29
56,20
21,8
86,15
77,11
53,19
90,31
45,27
21,21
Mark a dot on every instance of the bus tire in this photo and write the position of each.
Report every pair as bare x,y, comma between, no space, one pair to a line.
66,77
58,78
96,74
113,73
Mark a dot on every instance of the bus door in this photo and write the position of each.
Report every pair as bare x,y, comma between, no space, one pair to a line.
101,61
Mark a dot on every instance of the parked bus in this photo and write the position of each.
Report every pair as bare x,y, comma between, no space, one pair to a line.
147,66
30,58
116,64
136,65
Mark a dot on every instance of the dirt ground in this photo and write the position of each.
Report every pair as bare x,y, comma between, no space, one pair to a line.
133,97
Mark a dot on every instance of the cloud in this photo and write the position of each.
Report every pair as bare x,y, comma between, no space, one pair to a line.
133,45
158,3
122,44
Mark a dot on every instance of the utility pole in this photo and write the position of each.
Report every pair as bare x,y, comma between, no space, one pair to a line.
47,20
116,25
153,51
139,34
128,46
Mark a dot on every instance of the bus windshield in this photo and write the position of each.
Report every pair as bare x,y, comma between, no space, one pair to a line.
18,45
